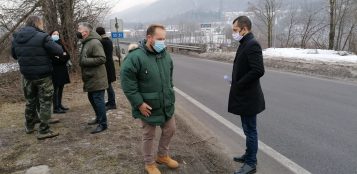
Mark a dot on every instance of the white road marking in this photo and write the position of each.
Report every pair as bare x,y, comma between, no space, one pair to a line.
291,165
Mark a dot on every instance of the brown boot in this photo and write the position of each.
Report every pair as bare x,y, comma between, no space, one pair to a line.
152,169
168,161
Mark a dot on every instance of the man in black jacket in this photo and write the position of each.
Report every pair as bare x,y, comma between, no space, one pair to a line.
109,65
246,96
32,48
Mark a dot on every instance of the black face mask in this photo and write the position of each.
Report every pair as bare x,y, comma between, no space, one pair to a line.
79,35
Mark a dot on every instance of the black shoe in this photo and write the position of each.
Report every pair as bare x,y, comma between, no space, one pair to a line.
100,128
109,107
64,108
93,122
246,169
59,111
240,159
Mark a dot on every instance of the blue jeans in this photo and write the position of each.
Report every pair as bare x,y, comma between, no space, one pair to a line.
96,99
111,96
249,124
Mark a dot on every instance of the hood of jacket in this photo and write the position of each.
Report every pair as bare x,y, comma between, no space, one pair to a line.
25,34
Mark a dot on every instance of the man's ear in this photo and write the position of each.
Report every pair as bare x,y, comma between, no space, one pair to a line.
149,38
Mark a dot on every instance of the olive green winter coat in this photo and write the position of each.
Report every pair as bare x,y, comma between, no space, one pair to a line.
92,61
147,77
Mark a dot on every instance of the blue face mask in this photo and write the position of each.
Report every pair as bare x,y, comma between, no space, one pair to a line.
159,45
55,37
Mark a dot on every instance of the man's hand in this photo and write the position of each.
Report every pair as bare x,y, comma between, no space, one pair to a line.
145,109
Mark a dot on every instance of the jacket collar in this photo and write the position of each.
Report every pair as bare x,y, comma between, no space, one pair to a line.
246,38
92,35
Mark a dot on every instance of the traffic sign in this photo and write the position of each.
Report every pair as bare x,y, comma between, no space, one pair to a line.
116,35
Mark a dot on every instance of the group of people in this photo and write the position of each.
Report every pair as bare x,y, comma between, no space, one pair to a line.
146,80
44,61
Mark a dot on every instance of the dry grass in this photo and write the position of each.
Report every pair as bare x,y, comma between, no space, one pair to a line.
11,87
117,150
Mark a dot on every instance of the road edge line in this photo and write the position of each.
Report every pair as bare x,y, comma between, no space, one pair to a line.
286,162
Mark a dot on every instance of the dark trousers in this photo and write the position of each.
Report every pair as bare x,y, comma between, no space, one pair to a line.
111,96
57,96
96,98
249,124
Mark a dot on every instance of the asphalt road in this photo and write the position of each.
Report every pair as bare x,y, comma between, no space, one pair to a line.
311,121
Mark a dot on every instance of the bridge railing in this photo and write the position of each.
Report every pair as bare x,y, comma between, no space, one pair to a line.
177,47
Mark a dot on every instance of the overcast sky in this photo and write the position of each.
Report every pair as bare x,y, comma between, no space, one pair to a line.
125,4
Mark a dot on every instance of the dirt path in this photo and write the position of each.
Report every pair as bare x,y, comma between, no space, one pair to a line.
117,150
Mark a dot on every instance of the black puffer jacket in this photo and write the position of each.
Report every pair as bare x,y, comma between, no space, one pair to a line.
109,64
32,48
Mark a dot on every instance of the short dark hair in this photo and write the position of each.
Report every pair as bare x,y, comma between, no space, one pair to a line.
243,21
100,30
152,28
33,21
50,33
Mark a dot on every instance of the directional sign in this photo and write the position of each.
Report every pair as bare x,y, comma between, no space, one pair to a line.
116,35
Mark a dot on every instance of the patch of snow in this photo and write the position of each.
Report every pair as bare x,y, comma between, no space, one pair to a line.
8,67
310,54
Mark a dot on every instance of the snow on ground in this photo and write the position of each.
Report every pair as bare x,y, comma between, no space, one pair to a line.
310,54
8,67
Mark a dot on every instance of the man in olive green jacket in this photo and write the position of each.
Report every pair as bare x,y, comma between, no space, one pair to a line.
146,79
94,75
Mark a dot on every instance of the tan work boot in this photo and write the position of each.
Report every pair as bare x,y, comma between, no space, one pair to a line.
168,161
152,169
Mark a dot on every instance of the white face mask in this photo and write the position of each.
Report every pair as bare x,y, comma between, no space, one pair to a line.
237,36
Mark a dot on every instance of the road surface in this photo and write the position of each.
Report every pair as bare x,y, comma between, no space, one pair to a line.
309,120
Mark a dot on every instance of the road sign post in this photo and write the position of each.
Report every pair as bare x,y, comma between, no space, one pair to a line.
117,33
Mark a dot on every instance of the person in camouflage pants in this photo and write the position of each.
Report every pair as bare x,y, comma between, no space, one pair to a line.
32,48
38,94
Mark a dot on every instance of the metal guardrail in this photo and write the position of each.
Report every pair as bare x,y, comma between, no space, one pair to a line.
176,47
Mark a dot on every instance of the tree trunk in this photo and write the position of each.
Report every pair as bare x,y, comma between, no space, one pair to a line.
49,9
68,29
270,34
332,24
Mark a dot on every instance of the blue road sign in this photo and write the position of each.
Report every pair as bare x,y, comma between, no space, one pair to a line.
116,35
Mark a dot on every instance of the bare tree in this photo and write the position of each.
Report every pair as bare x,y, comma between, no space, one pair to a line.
332,12
311,22
288,37
266,12
7,23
